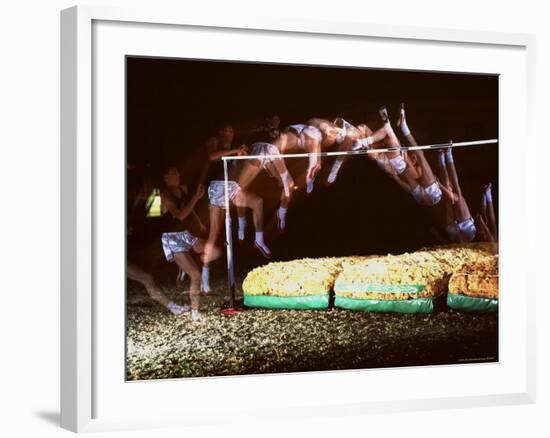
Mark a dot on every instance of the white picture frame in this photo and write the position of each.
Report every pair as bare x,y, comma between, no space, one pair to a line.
85,174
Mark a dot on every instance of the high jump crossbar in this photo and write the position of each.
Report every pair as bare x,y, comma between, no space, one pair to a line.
228,232
365,151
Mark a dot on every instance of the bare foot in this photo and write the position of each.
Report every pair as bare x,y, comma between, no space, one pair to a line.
387,125
401,119
383,111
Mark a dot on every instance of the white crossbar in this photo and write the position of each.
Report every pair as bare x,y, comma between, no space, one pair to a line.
365,151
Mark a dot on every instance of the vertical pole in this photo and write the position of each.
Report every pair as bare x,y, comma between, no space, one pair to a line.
229,240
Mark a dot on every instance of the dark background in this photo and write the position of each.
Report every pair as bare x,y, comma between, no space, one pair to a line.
174,105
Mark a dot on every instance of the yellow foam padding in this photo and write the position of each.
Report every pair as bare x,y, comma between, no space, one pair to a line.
358,278
476,279
427,272
452,257
294,278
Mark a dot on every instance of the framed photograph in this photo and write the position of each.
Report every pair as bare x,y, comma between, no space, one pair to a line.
263,206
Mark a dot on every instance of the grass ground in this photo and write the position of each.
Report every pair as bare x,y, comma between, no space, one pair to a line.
160,345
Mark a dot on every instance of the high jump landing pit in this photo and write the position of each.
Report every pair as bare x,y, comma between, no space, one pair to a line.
475,286
404,283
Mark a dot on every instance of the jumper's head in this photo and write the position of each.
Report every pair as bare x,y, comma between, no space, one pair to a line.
171,176
273,121
226,133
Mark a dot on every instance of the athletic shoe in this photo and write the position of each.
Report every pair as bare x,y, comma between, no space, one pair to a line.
206,290
196,316
266,254
180,310
280,226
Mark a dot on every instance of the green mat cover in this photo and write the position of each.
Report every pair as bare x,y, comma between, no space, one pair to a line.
473,304
274,302
417,305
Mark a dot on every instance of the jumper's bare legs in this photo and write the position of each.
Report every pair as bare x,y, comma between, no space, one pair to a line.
216,223
199,248
256,204
487,217
137,274
427,177
186,263
313,147
462,212
404,171
485,229
346,145
278,168
250,171
449,211
459,223
491,211
275,168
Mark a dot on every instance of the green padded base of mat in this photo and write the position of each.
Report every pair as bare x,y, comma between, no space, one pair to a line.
418,305
302,302
472,304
